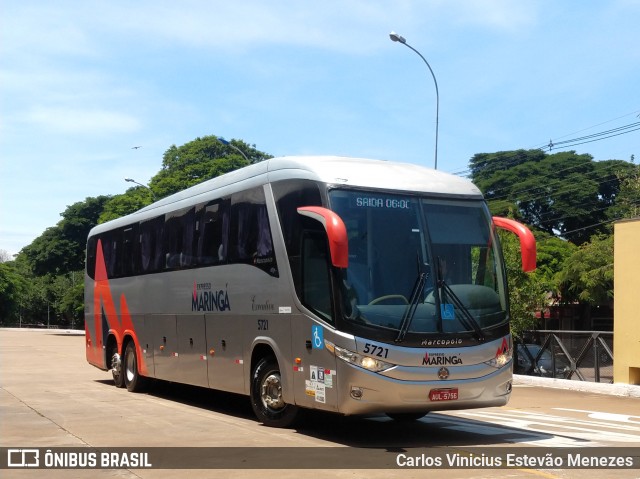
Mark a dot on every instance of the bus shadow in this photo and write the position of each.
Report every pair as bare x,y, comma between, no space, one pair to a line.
235,405
433,430
374,432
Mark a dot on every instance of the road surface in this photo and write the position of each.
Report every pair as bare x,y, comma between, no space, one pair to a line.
51,398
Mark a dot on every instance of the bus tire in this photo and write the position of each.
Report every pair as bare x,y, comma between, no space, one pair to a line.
116,366
132,379
266,395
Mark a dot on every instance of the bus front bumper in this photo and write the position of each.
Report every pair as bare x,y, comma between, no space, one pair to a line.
365,392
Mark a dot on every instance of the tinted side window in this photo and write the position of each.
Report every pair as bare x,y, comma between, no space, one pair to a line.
151,257
213,232
91,256
179,238
289,196
111,246
250,240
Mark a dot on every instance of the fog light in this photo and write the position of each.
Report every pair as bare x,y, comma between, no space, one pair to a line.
356,393
508,387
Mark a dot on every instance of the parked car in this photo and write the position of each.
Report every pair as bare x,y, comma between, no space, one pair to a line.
544,365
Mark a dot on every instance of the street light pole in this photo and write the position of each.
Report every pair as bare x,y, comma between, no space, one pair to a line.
399,38
226,143
131,180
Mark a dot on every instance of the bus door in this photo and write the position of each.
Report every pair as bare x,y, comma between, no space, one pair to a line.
315,381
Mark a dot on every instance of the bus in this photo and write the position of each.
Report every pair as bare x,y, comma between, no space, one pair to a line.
347,285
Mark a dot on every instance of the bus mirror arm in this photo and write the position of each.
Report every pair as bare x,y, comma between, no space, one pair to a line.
336,233
527,241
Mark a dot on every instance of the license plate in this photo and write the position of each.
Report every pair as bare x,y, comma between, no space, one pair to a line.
449,394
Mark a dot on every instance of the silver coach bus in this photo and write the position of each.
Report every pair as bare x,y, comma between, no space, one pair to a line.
347,285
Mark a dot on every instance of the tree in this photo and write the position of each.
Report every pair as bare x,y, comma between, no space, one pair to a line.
121,205
552,253
199,160
627,201
61,248
13,287
563,193
587,275
527,291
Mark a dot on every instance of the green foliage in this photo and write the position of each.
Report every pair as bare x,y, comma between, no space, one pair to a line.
60,249
120,205
552,252
627,201
528,292
182,167
199,160
562,193
587,275
13,287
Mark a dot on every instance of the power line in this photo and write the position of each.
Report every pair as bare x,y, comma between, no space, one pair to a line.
572,142
603,135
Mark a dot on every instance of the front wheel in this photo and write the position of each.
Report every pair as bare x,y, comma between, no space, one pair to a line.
266,395
132,378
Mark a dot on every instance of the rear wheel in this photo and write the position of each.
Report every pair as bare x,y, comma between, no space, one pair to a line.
116,366
266,395
132,378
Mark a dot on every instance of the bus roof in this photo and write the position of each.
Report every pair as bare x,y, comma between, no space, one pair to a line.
334,170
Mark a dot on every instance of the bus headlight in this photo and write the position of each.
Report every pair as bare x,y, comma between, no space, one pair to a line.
501,359
366,362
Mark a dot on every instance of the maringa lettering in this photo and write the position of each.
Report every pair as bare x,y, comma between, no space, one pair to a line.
211,301
438,360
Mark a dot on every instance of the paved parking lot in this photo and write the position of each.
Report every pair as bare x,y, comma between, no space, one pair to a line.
50,397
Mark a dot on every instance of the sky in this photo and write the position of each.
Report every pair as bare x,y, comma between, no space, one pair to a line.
82,83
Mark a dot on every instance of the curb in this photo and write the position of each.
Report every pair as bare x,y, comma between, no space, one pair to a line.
617,389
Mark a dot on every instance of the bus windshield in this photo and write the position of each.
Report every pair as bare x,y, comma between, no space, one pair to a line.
420,265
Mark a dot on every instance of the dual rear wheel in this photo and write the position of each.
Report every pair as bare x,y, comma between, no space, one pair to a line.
125,369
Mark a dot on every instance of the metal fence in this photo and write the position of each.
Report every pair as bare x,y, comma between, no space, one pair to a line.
575,355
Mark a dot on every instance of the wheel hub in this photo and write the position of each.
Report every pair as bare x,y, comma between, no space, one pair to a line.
116,364
271,392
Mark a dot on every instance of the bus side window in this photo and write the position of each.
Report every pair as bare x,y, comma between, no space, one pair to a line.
110,252
316,282
178,239
151,245
290,195
250,239
213,221
91,256
128,259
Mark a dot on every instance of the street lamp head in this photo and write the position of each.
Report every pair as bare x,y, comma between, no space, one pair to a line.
397,38
226,143
130,180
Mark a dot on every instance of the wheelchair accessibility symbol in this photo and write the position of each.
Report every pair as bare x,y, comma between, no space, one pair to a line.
447,311
317,333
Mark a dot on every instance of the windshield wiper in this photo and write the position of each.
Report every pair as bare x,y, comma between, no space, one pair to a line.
410,312
467,319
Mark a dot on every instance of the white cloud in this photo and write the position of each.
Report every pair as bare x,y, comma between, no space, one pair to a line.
86,121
